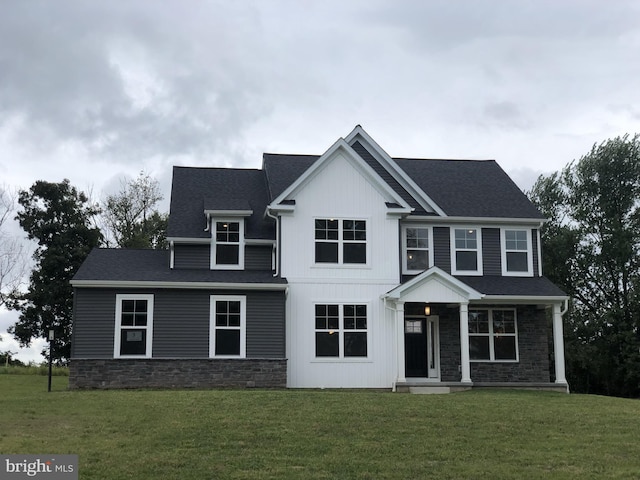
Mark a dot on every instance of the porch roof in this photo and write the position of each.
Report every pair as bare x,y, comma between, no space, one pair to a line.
436,285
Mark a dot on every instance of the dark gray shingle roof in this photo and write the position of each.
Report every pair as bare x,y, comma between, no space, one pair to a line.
516,286
131,265
470,188
466,188
282,170
195,189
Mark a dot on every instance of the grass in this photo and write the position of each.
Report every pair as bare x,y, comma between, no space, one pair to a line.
264,434
40,369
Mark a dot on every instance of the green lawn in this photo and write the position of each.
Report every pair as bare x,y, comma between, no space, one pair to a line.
258,434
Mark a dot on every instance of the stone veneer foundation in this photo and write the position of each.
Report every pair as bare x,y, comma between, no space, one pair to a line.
177,373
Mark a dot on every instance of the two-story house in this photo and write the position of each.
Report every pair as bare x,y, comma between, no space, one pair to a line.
349,269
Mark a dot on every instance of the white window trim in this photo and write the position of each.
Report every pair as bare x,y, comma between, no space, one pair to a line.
405,270
243,324
118,326
240,264
341,242
454,269
503,252
340,331
491,335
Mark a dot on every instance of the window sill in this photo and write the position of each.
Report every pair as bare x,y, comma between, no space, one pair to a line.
342,266
342,360
469,273
494,361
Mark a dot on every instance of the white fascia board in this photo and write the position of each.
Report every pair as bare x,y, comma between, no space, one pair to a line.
354,158
395,171
534,222
522,299
179,285
285,208
228,213
189,240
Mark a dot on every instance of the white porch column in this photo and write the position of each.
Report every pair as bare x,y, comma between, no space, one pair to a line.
400,341
558,344
465,366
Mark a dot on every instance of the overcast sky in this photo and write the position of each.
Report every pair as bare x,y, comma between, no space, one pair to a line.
98,91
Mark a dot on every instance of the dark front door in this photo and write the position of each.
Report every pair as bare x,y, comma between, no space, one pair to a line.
415,347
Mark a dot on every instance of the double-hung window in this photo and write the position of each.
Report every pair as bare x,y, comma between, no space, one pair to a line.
341,330
227,246
466,252
340,241
227,326
417,255
134,326
493,335
516,252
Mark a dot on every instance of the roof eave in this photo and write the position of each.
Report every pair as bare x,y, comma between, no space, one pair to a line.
178,285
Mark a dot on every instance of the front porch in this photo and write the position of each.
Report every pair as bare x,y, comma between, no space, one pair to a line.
450,337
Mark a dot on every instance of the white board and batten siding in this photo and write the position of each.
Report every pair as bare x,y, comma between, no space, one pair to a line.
339,191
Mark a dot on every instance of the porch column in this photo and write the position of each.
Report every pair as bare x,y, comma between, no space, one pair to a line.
400,341
558,344
465,366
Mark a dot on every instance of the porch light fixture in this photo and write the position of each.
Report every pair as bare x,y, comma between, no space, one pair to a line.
427,310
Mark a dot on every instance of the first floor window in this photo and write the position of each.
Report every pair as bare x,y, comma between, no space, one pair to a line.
493,335
134,322
228,318
341,330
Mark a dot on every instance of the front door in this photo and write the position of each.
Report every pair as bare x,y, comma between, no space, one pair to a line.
421,347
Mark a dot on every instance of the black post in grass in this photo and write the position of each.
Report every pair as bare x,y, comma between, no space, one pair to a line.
51,337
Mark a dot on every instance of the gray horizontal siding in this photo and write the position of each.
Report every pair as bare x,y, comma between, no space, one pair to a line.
266,325
491,253
180,323
94,320
257,257
442,248
191,256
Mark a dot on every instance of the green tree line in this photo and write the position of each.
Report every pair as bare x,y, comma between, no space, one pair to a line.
591,248
66,225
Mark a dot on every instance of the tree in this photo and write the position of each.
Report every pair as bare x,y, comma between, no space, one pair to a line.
592,250
59,219
131,218
11,251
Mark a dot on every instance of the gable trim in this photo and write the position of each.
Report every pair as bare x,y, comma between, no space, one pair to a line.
396,172
282,202
433,273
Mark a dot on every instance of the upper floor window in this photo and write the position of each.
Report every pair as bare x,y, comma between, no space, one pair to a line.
134,325
227,326
516,252
418,254
341,330
340,241
493,335
466,254
227,248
